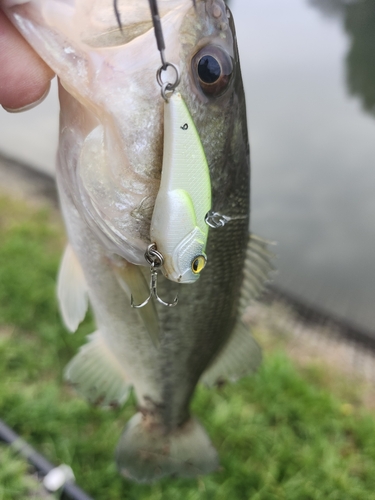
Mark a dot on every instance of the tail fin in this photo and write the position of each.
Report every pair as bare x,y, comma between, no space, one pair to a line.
145,453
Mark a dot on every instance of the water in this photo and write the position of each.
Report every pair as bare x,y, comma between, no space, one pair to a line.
313,145
309,72
32,137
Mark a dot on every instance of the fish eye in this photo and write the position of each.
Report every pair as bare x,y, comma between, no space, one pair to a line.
198,264
213,68
209,69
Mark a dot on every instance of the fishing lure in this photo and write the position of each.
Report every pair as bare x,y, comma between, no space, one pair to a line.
179,229
178,224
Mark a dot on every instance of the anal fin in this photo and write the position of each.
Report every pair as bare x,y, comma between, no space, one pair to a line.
71,290
239,357
97,374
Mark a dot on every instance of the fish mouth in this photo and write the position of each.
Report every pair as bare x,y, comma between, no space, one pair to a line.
115,37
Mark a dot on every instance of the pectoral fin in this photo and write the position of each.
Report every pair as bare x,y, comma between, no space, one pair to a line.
71,290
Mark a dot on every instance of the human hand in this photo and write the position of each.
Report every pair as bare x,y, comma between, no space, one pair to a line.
24,78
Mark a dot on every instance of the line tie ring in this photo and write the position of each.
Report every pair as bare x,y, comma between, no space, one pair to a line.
153,257
156,260
168,87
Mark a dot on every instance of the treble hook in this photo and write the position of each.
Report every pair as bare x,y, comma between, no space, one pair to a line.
216,219
156,260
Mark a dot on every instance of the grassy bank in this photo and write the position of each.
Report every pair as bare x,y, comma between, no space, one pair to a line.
281,434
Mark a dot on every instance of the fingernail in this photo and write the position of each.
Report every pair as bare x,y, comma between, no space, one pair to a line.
31,105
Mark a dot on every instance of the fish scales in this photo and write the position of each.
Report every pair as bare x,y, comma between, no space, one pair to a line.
108,173
214,318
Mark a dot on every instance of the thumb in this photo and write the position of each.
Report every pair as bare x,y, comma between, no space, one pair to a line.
24,77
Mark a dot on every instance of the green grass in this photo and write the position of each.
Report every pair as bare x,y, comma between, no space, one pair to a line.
15,480
281,434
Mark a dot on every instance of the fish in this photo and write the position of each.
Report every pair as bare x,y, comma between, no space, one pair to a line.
111,163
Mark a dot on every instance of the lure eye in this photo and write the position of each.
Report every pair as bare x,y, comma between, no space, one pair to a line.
198,264
213,68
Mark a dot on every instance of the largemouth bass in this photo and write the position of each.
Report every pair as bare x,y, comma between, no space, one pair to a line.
108,173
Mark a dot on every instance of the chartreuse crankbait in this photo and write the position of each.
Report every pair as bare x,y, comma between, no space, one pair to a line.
178,226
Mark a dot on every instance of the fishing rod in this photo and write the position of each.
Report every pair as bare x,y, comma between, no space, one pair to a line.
54,478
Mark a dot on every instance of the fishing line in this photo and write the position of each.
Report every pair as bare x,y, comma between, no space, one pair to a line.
158,31
167,88
117,14
159,37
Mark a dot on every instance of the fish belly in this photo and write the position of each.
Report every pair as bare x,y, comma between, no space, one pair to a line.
120,327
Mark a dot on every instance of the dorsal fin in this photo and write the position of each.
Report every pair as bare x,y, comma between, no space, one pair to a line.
257,269
71,290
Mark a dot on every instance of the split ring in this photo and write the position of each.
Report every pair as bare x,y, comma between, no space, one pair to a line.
153,257
170,86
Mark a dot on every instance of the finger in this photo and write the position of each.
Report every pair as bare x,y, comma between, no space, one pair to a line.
24,77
